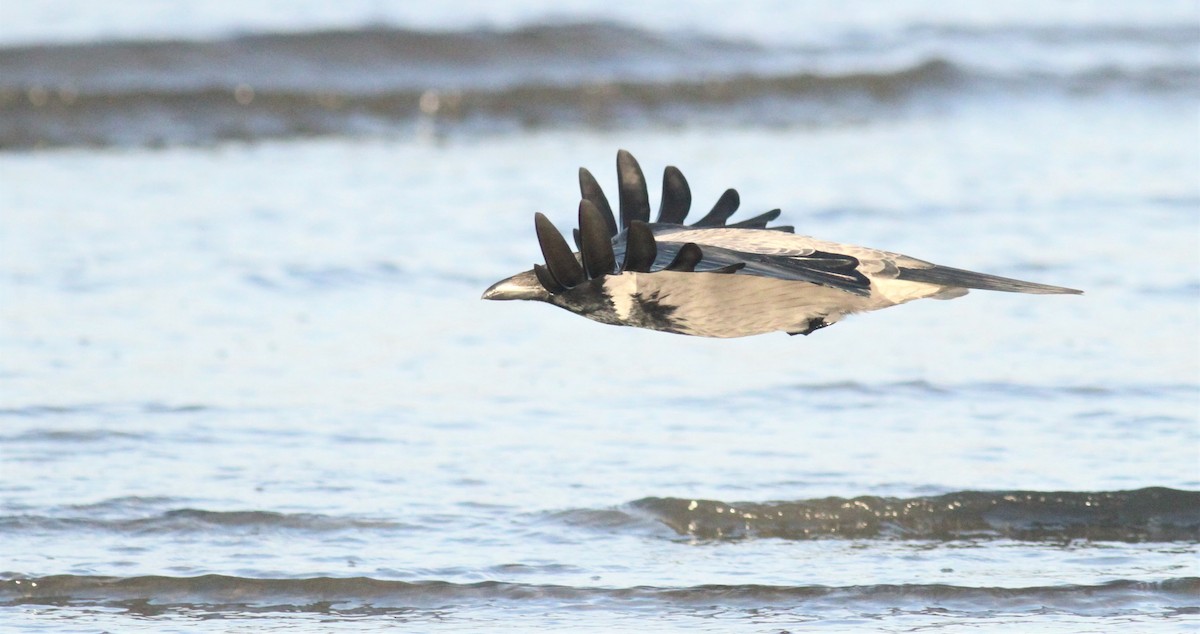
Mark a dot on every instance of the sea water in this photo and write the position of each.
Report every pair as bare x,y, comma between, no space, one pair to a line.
247,382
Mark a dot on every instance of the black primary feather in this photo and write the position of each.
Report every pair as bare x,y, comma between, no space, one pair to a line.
595,245
676,197
676,200
686,260
640,248
547,280
631,185
560,261
726,205
758,222
589,189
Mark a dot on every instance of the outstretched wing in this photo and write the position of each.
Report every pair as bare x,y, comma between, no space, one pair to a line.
676,201
597,258
833,270
876,263
638,251
712,244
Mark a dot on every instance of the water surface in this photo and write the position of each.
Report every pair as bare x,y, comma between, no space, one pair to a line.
246,379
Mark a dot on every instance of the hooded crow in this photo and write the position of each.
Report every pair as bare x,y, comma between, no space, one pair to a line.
716,279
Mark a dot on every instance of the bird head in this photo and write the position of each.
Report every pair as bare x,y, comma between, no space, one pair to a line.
563,271
523,285
573,280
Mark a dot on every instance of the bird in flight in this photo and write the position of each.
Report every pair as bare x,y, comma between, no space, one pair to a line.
719,279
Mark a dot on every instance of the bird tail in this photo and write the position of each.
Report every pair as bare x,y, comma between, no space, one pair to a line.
949,276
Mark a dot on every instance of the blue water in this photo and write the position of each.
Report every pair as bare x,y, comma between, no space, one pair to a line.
246,380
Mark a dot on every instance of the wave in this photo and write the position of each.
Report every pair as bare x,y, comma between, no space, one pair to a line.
982,390
379,596
1143,515
53,411
43,117
188,520
374,60
395,81
1176,35
1151,514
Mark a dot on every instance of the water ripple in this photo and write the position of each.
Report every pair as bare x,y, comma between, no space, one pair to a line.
376,596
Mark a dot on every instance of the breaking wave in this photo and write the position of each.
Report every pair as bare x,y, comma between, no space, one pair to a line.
1143,515
1151,514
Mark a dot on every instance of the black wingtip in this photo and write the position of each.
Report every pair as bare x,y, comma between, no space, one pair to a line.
589,189
594,243
676,197
732,268
560,261
640,248
635,200
757,222
725,207
686,260
547,280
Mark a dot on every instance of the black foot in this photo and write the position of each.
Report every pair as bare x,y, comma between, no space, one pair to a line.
816,323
